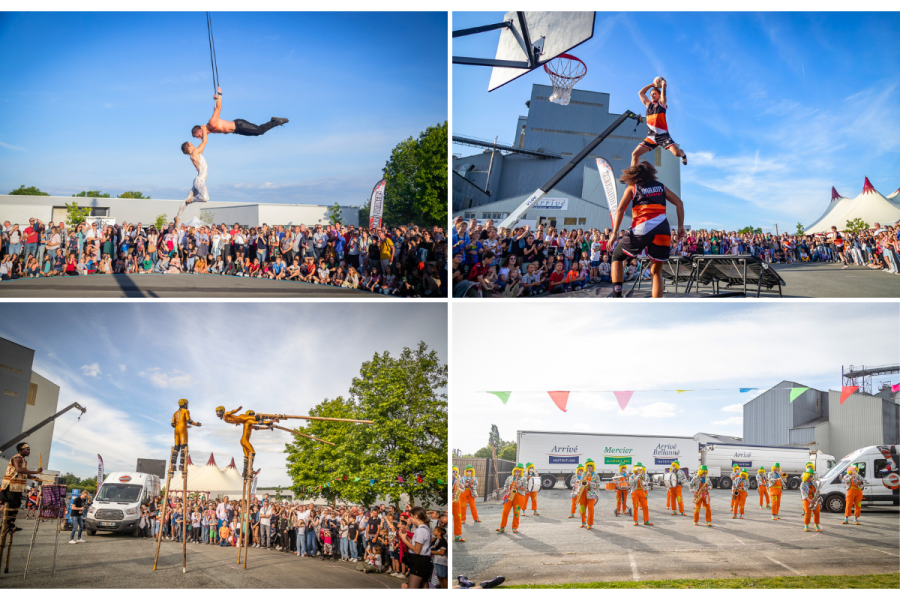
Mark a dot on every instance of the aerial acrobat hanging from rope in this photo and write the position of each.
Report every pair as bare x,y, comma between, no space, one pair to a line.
215,124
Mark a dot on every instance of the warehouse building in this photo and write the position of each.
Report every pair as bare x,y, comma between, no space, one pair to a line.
18,209
546,139
28,398
818,420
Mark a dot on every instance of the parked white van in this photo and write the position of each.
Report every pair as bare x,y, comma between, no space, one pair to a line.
117,505
878,466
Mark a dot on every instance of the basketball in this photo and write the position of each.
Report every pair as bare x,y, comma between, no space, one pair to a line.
658,82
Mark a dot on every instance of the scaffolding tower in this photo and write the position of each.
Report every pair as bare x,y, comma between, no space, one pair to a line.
862,375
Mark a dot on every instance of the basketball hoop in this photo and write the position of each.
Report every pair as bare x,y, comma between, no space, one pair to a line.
565,71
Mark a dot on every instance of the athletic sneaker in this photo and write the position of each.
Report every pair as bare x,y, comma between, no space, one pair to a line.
81,541
72,542
279,120
684,159
486,585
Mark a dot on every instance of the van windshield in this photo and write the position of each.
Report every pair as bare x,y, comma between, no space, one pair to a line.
119,492
838,469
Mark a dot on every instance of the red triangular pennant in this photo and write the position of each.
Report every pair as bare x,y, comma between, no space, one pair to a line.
560,399
623,398
847,391
418,479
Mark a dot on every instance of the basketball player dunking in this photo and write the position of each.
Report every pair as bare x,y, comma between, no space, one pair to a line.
658,129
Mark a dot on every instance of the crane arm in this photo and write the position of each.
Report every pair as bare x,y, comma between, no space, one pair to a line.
6,445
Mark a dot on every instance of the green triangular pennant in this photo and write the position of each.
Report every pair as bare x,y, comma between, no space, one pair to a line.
502,395
796,392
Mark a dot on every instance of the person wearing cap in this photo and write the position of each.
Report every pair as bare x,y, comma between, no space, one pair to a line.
575,481
639,483
621,483
739,496
15,480
455,506
673,495
775,484
529,468
514,500
812,505
855,484
735,475
588,493
700,487
762,486
470,491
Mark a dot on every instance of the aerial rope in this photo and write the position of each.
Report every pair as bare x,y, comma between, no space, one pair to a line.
212,52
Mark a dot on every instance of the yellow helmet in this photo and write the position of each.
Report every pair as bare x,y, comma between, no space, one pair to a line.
183,403
220,409
250,413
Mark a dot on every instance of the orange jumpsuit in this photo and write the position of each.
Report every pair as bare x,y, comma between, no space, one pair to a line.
673,495
763,490
740,499
457,520
639,498
808,491
467,500
735,475
622,494
703,501
775,489
575,488
587,496
516,501
854,495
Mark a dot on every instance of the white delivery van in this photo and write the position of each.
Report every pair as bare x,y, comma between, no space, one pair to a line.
117,505
720,458
878,466
557,454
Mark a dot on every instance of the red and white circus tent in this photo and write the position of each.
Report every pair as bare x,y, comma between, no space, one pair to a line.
869,205
210,480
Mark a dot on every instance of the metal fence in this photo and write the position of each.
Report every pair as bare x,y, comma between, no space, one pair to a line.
484,472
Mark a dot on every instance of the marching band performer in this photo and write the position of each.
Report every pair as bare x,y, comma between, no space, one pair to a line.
812,501
576,481
809,466
588,493
735,475
621,482
775,484
529,468
762,486
639,484
854,483
470,490
700,488
673,494
457,512
739,496
515,497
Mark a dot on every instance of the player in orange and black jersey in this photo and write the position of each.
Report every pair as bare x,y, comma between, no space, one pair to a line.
649,225
657,127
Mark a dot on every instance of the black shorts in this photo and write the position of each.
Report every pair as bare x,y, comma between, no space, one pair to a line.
657,242
420,566
660,139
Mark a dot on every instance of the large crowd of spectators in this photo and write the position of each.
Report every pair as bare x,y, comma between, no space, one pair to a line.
408,261
491,262
410,544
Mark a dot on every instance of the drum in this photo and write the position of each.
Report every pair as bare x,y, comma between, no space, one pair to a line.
611,485
534,484
670,479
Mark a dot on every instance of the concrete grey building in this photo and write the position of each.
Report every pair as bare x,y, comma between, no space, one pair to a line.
817,419
18,209
28,398
554,134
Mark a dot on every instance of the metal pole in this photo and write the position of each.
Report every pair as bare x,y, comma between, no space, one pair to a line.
162,522
34,533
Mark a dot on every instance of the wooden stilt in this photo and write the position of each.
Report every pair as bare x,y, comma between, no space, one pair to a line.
34,533
242,547
3,530
10,532
184,520
162,522
248,484
59,522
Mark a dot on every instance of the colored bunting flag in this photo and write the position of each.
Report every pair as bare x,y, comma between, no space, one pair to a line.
502,395
441,481
745,390
418,479
400,479
680,391
796,392
371,482
355,480
560,399
623,398
847,391
895,388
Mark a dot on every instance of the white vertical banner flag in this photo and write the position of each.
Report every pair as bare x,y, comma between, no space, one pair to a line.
99,472
376,205
608,179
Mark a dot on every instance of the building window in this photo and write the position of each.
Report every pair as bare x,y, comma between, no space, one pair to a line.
861,467
586,134
657,157
99,212
32,394
469,215
13,369
522,138
11,393
582,221
570,221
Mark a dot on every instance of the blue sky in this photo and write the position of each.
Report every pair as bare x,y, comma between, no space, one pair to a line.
688,346
773,109
129,363
104,100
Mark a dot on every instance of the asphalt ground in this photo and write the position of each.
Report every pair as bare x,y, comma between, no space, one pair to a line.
172,286
803,280
122,561
553,549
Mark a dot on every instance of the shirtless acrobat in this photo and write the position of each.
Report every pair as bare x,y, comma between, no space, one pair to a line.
238,126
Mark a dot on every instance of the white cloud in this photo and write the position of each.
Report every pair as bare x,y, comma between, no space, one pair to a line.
658,410
175,379
91,370
734,408
51,355
122,368
730,421
11,147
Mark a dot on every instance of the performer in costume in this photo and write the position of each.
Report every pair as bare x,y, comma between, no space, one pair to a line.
673,495
735,475
15,480
529,468
639,485
854,483
739,495
812,501
180,421
249,423
457,511
809,466
470,491
657,128
514,498
762,486
588,493
776,485
621,481
700,487
576,481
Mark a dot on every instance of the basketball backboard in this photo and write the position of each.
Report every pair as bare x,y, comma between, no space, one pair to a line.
549,35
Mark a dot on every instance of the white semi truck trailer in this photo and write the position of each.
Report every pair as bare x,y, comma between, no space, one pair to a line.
721,457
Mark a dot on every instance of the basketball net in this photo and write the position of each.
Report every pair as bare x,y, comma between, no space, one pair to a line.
565,71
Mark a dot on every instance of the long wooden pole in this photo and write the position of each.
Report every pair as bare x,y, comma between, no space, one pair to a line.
9,533
59,522
34,533
302,434
3,531
184,520
162,522
247,512
278,417
238,536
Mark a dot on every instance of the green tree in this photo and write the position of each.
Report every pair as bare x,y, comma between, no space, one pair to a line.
751,229
363,213
416,179
161,221
406,398
508,453
278,495
333,214
856,225
90,194
800,228
76,214
135,195
208,217
27,191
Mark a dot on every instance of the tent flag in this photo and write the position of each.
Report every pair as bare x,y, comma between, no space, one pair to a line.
502,395
560,399
796,392
745,390
680,391
623,398
847,391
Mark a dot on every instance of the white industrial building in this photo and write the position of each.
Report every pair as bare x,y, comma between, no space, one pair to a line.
18,209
